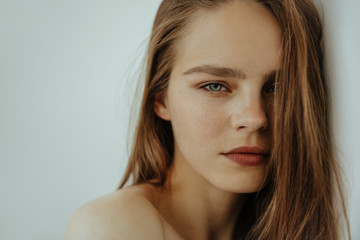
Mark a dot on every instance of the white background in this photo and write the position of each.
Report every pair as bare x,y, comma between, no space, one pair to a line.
64,103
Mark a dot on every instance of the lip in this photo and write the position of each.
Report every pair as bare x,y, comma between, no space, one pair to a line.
248,156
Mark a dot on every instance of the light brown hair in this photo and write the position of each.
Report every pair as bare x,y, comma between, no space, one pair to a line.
303,197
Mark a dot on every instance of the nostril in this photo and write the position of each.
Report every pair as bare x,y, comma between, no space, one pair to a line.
252,121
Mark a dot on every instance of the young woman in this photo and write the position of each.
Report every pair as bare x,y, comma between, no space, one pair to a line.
233,137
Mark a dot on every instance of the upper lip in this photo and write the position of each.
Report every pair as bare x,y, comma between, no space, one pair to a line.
249,150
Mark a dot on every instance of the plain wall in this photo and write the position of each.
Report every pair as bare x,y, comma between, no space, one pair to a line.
65,68
64,106
342,35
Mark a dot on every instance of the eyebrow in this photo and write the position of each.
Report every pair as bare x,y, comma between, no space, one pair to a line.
225,72
271,76
216,71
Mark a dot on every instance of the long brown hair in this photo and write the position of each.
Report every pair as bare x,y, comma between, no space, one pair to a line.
303,198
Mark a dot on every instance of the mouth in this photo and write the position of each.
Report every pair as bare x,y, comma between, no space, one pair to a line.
248,156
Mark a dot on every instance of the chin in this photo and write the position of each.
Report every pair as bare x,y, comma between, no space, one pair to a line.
241,183
241,189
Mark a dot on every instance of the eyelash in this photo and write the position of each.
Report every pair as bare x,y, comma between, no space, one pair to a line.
272,85
207,88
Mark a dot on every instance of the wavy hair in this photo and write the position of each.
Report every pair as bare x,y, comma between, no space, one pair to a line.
303,197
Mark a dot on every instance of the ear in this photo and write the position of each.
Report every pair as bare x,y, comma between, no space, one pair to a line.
161,107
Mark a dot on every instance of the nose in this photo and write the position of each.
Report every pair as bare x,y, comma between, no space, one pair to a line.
250,115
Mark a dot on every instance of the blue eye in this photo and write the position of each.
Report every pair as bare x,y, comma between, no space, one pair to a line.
272,89
215,87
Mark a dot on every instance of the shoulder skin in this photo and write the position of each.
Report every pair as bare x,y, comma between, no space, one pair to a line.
125,215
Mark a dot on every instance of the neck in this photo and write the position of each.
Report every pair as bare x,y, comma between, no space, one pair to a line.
196,208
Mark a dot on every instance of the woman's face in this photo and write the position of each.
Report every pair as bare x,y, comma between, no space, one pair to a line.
220,95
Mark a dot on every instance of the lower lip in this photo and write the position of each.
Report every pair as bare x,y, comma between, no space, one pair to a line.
247,159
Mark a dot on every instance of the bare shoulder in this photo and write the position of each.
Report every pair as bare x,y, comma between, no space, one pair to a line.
124,214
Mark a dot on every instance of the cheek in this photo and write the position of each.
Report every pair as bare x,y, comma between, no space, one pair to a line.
197,118
270,114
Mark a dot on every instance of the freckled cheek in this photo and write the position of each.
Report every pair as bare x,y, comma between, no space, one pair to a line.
198,119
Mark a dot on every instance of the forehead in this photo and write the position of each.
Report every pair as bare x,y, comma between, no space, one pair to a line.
238,33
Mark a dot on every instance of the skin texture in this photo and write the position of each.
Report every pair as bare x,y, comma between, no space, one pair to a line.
205,191
208,123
